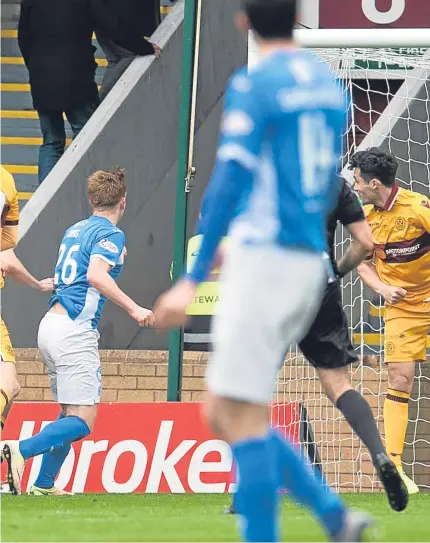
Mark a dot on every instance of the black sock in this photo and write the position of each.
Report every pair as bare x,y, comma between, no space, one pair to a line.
359,416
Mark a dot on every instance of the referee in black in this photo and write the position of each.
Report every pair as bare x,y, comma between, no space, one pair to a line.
327,346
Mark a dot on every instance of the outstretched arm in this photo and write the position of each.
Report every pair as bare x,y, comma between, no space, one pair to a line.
14,268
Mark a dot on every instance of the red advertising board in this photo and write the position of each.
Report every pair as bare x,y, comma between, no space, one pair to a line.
153,447
374,14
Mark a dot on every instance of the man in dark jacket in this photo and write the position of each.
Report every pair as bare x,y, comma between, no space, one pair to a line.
55,38
139,18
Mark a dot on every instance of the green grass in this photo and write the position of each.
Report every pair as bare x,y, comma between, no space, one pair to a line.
140,517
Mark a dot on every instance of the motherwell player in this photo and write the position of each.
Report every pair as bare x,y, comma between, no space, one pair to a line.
12,267
400,272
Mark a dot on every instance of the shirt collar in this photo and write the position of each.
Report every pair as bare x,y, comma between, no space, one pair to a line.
391,199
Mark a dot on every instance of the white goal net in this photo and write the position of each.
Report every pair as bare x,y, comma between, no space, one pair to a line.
390,104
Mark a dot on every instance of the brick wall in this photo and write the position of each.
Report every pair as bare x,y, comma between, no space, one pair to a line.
128,376
141,376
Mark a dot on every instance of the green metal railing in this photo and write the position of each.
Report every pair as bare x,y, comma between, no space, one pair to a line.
184,175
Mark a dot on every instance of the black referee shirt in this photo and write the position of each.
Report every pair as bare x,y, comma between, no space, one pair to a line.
348,210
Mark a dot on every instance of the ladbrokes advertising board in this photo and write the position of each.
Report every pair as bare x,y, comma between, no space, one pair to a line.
158,447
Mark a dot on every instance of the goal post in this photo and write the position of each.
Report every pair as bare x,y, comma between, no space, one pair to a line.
387,76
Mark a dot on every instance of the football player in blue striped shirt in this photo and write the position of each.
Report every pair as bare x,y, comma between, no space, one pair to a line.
90,258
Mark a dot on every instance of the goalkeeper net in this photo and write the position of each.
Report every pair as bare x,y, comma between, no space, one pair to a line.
389,107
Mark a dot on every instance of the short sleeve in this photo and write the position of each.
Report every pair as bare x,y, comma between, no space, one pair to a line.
109,248
10,212
12,217
422,211
243,123
349,209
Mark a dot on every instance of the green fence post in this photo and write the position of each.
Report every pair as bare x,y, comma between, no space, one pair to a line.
176,340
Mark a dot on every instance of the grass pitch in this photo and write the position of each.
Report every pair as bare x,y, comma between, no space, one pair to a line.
140,517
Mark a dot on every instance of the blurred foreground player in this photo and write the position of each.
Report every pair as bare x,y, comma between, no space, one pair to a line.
399,271
11,267
90,258
280,142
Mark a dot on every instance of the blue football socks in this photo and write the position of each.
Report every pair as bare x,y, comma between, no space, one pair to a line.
51,465
54,436
257,497
300,480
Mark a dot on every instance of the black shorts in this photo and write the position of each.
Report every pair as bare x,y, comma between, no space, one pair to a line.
328,344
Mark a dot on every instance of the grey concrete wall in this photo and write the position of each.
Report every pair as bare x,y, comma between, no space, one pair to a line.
137,128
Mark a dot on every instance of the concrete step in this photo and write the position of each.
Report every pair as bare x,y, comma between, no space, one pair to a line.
16,169
19,61
17,73
24,140
13,97
10,47
25,178
20,154
26,183
10,14
16,96
14,130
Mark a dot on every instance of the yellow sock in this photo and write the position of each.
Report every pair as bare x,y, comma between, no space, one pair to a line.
395,423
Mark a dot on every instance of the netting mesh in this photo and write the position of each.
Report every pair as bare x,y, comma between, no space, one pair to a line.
389,107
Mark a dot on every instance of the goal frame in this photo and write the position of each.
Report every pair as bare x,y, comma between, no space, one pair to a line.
360,37
382,39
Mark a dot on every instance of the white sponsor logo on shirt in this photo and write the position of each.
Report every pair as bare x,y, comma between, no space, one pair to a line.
109,246
237,123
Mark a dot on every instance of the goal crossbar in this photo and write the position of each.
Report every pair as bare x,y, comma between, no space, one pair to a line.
350,37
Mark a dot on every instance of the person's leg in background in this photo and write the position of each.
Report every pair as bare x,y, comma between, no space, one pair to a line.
53,442
353,406
405,342
75,422
65,384
327,346
119,59
79,116
54,141
396,409
358,414
8,376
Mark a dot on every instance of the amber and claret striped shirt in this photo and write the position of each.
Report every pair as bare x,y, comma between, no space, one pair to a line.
401,234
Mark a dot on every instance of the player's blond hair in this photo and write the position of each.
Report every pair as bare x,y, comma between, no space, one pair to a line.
106,188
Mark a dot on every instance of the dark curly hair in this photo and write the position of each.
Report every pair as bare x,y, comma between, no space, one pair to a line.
374,163
271,19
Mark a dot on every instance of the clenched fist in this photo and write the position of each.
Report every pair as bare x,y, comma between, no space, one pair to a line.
393,295
143,317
